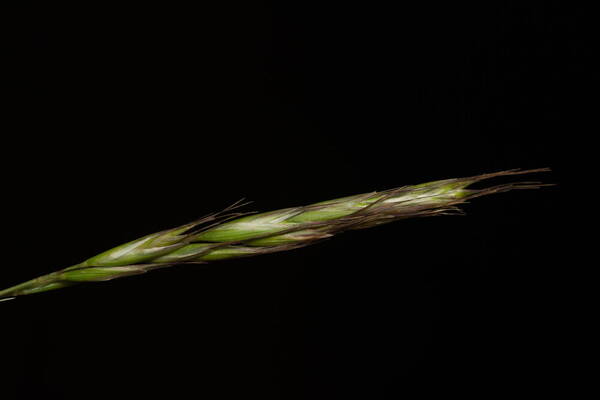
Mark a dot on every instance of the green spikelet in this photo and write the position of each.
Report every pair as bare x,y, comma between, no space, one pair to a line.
232,234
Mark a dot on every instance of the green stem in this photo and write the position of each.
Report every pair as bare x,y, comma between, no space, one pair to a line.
40,284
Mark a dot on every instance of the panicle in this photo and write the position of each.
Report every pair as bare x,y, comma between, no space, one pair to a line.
230,234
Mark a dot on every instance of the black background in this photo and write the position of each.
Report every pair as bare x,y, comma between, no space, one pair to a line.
134,120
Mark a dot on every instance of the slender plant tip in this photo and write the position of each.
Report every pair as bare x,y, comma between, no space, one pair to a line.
233,234
7,298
